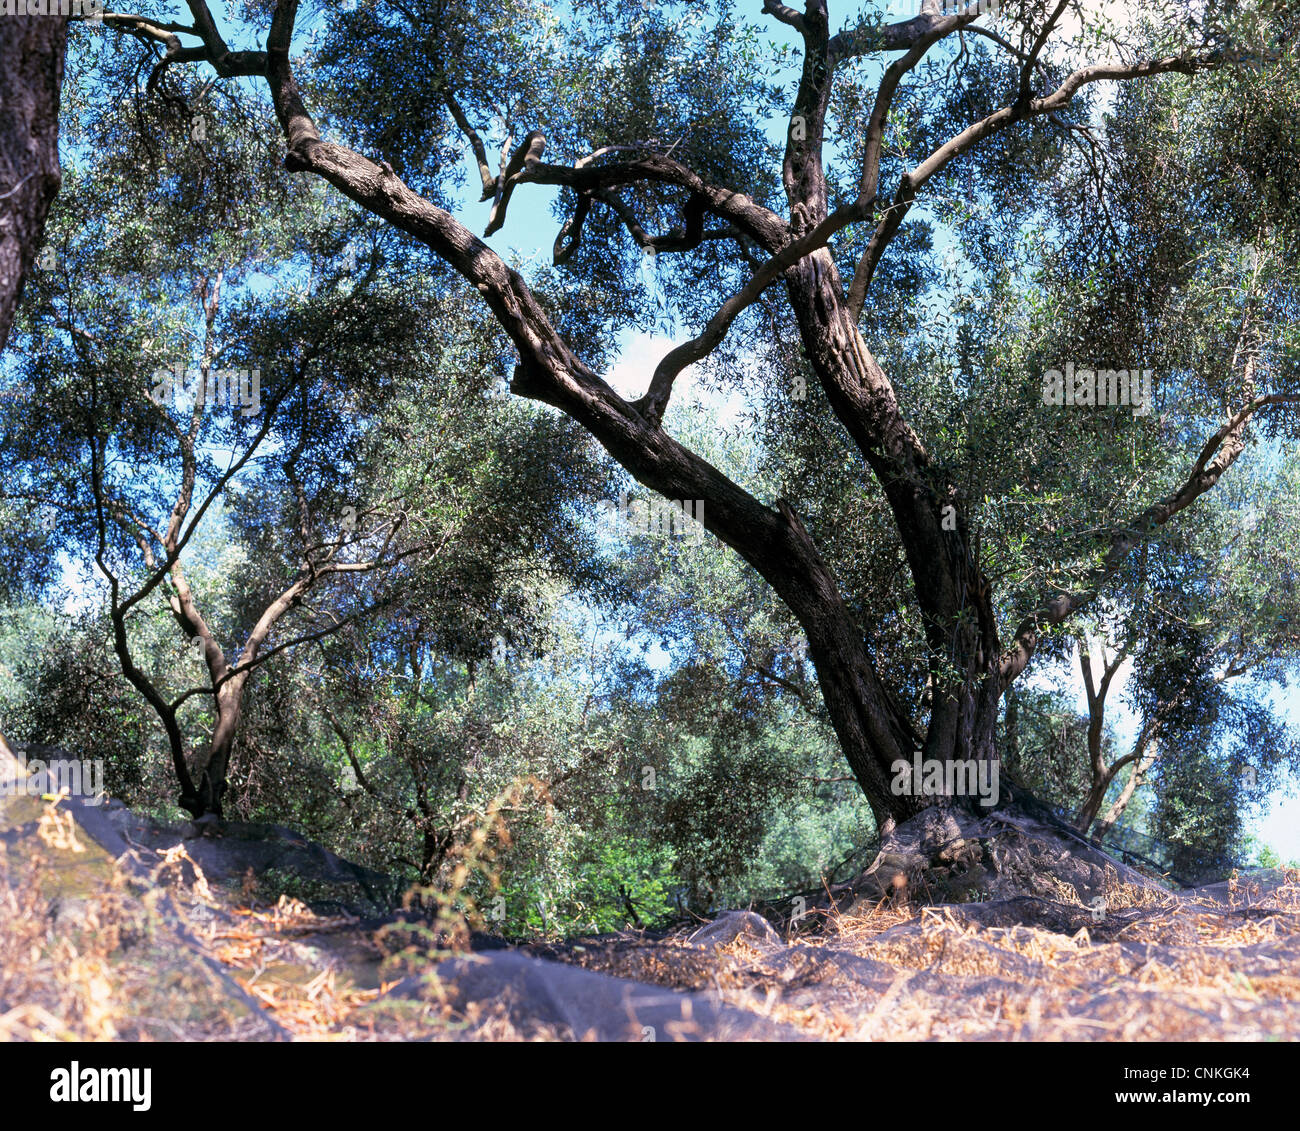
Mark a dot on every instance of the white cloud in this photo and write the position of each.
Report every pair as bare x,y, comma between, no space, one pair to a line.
630,374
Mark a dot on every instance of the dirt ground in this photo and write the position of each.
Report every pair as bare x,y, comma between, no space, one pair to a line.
144,947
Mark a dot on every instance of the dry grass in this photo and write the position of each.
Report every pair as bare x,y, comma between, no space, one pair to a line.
92,975
1157,967
91,955
57,980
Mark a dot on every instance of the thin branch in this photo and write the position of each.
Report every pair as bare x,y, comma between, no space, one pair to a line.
1217,455
761,224
488,178
995,123
655,401
1026,72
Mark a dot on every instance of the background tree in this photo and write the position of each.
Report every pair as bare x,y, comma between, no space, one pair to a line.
199,390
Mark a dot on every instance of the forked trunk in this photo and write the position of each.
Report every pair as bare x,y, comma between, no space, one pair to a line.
953,595
206,797
1092,804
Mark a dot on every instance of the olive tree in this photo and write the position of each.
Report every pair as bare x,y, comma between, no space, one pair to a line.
881,117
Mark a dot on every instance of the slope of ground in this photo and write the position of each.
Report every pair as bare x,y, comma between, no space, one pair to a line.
115,927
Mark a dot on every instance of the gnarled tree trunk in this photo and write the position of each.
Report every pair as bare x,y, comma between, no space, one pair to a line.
31,79
969,669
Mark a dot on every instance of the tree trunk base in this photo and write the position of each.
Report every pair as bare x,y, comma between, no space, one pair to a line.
950,854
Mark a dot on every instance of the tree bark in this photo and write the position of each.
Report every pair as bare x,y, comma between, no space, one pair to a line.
31,80
1097,690
1116,811
212,779
1011,749
954,596
1092,803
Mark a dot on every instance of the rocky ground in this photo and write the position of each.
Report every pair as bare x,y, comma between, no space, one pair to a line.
117,927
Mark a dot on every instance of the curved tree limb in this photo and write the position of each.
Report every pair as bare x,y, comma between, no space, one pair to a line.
995,123
872,39
527,155
785,14
761,224
489,179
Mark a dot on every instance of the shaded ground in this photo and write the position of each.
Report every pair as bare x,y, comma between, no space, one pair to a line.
115,927
1209,965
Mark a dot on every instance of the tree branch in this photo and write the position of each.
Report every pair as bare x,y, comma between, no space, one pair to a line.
870,39
485,173
586,178
1219,453
995,123
785,14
